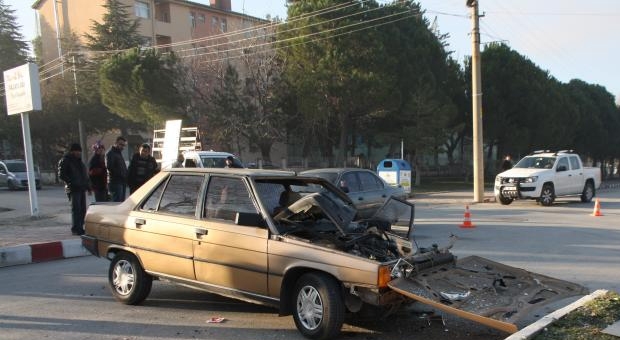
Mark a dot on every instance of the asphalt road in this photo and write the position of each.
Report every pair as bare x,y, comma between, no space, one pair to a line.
69,299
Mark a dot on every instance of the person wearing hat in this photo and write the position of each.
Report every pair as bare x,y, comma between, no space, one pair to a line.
98,173
72,171
142,167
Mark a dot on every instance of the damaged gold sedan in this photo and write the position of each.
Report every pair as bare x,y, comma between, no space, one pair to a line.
295,243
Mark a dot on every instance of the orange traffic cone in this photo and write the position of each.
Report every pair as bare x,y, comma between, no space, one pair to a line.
597,208
467,219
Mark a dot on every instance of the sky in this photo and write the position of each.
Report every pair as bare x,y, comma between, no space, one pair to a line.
571,39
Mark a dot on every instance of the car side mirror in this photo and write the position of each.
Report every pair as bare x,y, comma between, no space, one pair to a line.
250,219
562,168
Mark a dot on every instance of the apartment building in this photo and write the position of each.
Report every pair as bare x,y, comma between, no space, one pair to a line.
162,22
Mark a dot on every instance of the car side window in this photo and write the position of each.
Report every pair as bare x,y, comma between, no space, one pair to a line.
350,181
181,195
563,162
225,197
369,181
574,163
152,203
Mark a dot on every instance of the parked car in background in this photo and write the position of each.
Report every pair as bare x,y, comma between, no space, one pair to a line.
293,243
13,174
209,159
545,175
365,188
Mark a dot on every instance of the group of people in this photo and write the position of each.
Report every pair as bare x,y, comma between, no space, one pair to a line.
107,176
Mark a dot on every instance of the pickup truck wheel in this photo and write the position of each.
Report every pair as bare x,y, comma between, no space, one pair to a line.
129,282
588,192
547,195
504,200
319,306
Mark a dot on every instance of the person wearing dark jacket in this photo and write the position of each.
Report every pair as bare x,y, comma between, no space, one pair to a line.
142,167
72,171
98,173
117,170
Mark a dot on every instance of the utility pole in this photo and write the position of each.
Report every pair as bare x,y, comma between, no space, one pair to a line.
476,100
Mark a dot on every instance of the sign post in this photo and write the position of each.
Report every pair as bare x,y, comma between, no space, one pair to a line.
23,94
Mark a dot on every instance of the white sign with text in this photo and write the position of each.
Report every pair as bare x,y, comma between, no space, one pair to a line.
23,92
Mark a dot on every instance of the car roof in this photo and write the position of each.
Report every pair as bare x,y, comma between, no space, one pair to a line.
209,153
332,170
235,171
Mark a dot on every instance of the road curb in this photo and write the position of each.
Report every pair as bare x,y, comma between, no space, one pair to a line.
41,252
534,328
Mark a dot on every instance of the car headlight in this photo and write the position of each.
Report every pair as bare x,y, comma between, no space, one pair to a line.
531,179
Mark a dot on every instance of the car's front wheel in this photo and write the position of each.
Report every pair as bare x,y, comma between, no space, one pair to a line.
504,200
129,282
319,307
588,192
547,195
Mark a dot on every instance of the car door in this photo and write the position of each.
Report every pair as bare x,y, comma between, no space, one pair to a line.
226,253
373,189
563,177
162,228
576,172
4,174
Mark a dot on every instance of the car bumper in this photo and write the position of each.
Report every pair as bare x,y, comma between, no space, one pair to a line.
23,183
518,190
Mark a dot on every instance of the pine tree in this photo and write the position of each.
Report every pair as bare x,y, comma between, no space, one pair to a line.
13,49
117,32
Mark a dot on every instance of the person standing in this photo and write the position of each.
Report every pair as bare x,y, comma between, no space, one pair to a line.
230,162
98,173
72,171
117,170
506,163
142,167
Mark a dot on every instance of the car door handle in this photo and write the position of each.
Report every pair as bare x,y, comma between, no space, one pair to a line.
360,198
140,222
384,195
201,232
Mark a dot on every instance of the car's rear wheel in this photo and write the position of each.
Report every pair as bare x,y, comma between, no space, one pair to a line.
504,200
319,307
588,192
129,282
547,195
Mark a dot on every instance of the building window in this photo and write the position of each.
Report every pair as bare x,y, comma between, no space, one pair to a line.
142,9
214,24
201,19
224,26
192,19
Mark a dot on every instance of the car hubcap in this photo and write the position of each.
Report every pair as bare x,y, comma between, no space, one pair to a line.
309,307
546,196
123,277
589,193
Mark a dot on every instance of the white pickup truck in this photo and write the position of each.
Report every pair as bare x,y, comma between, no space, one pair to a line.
545,175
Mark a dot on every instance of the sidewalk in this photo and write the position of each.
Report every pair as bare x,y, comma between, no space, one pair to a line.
25,239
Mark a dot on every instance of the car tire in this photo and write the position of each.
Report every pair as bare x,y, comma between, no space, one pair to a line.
129,283
547,195
10,185
504,200
588,192
319,307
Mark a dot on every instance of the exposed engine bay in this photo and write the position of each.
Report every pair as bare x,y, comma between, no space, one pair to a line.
317,219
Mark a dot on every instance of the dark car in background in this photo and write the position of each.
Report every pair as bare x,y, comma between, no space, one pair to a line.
365,188
14,175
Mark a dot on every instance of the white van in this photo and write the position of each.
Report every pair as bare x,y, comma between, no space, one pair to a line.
209,159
